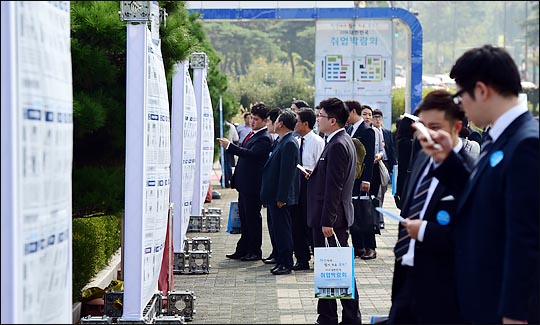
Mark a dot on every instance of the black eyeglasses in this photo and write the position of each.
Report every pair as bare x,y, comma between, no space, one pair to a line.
325,116
457,97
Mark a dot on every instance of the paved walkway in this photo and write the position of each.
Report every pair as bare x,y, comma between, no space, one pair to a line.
236,292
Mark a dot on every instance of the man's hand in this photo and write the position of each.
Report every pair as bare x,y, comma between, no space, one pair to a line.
440,147
224,142
328,231
412,226
309,171
364,187
281,204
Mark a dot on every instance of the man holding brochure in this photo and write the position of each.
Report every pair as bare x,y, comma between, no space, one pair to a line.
330,195
423,287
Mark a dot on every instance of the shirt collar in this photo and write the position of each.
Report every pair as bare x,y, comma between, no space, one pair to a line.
506,119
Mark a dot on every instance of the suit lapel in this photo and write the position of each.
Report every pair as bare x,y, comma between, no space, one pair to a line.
497,145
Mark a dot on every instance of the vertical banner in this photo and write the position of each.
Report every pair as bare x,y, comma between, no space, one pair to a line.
147,170
205,139
37,152
354,61
183,143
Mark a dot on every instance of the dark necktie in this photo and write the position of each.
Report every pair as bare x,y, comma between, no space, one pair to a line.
301,151
349,131
419,199
250,134
487,143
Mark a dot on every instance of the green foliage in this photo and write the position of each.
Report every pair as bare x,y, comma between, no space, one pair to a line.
98,189
272,84
95,240
398,103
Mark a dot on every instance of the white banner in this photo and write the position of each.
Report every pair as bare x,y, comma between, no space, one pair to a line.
147,170
205,140
37,151
354,61
184,141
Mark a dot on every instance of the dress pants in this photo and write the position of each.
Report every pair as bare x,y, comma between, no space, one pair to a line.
282,232
327,308
302,236
249,210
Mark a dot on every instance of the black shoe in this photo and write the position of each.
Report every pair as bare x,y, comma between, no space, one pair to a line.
369,254
274,268
234,256
250,258
301,266
269,260
281,271
359,253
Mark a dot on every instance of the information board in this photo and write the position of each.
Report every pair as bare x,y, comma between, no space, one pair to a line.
37,153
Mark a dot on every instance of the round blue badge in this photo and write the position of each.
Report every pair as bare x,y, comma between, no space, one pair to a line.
496,158
443,218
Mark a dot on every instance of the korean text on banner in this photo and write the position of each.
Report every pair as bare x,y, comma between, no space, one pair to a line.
334,273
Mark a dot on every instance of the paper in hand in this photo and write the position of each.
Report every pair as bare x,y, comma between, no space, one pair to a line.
302,169
422,129
390,214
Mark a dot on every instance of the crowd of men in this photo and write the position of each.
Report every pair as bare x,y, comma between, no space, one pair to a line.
468,250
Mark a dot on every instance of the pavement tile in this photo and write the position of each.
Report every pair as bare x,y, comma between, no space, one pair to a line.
236,292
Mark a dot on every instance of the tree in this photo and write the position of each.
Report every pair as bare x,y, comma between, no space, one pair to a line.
98,47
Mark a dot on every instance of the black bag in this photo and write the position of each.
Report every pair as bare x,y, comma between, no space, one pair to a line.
366,218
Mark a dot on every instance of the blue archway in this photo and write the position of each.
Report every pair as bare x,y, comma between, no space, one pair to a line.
410,20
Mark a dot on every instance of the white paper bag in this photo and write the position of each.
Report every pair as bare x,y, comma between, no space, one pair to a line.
334,272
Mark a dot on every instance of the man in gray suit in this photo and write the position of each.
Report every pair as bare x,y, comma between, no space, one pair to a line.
329,189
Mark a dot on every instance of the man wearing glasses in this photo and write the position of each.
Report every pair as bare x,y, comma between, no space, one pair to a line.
329,189
497,228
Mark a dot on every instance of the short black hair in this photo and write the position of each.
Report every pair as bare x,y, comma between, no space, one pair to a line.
377,111
441,100
491,65
274,113
307,115
354,105
288,118
246,115
336,108
300,103
260,110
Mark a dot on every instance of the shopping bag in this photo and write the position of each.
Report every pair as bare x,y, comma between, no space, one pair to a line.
385,175
394,179
334,272
366,218
233,224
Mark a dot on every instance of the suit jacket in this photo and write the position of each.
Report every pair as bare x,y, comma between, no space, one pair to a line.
366,135
497,232
433,271
251,159
389,148
329,188
280,177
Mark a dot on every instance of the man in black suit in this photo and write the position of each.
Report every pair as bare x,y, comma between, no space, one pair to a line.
497,231
364,243
387,154
423,287
252,155
330,211
279,191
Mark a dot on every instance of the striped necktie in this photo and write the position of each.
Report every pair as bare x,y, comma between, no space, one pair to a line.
417,204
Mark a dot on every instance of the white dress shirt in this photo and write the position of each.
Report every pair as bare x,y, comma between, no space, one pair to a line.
312,149
408,258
